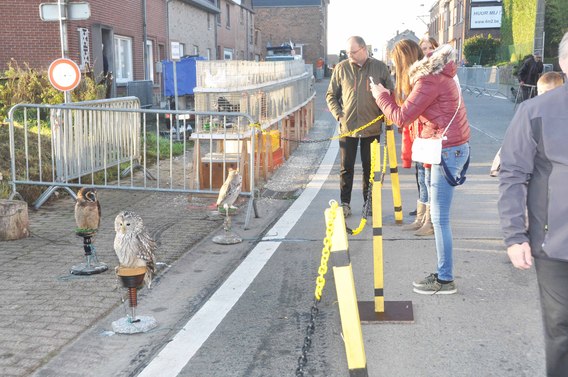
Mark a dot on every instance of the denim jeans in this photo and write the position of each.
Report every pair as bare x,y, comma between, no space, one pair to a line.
423,183
348,151
440,204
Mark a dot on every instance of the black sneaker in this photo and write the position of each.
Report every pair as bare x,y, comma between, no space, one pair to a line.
437,288
346,209
427,280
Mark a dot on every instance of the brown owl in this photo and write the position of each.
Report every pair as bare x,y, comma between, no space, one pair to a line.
133,245
87,209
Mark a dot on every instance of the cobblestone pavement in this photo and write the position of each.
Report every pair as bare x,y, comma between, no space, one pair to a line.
44,307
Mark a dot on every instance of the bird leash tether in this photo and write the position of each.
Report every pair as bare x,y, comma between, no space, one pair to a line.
345,134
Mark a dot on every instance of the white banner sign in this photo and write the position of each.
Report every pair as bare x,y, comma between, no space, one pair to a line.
486,17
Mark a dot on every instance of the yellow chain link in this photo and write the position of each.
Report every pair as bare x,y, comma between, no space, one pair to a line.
322,270
258,126
363,221
351,133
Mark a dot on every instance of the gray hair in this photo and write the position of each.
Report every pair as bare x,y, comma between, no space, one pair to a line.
563,47
360,41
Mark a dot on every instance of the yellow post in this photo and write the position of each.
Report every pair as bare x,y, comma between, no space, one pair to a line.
347,297
350,322
393,165
378,232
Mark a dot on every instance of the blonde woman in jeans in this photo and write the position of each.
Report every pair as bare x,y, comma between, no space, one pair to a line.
435,100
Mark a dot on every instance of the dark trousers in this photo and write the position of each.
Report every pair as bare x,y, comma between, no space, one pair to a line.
348,149
552,279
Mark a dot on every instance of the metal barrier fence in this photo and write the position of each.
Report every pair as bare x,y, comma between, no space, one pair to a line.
491,81
265,90
95,144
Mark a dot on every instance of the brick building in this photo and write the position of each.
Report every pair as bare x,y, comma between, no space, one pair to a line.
302,22
237,38
454,21
111,40
192,23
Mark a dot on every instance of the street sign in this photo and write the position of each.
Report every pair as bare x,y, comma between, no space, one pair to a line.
176,50
64,74
72,12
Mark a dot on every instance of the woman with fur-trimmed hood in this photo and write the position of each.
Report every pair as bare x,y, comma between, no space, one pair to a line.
435,102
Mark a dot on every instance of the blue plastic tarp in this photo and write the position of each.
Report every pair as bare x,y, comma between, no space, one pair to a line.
186,75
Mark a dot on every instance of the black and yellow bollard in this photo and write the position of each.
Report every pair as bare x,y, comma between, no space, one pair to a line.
347,298
393,168
379,309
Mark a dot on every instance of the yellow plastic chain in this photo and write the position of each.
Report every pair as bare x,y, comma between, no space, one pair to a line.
346,134
363,221
322,270
351,133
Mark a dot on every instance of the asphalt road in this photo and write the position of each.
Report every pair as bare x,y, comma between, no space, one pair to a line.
255,297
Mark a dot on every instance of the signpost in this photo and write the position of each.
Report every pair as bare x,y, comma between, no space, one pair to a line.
71,11
176,55
64,73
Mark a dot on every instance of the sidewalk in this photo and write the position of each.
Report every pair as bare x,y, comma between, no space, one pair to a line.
57,324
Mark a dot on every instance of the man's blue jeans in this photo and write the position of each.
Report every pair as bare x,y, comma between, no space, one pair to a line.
441,194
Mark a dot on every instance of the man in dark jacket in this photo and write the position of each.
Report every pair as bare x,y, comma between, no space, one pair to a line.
350,101
528,75
533,180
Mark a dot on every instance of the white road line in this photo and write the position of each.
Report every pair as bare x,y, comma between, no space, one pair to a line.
177,353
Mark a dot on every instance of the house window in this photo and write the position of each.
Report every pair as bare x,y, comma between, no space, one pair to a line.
195,50
228,15
208,54
242,16
219,14
208,21
150,60
228,54
123,58
182,49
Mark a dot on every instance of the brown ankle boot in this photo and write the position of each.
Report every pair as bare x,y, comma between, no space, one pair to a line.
427,229
420,211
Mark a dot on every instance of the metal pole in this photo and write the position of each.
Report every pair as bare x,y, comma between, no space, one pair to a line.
176,97
145,36
62,5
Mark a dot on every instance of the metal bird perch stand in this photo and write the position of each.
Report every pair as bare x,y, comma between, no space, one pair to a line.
132,279
91,265
228,237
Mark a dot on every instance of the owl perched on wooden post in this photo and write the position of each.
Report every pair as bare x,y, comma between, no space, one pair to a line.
87,209
133,245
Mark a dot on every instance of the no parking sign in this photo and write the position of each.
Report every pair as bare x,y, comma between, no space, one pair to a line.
64,74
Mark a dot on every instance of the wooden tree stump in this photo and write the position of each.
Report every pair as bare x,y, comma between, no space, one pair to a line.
14,222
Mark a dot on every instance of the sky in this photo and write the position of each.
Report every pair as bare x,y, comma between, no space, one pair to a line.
376,21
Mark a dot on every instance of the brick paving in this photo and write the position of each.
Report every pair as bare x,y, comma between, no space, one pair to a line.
43,307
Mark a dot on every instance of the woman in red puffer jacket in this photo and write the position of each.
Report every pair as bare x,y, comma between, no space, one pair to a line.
435,101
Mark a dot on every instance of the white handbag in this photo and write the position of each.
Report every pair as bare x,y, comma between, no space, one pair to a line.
429,151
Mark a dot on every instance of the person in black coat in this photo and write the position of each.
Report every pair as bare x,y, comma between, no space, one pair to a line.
528,75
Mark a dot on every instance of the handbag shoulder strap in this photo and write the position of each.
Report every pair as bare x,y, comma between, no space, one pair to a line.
458,109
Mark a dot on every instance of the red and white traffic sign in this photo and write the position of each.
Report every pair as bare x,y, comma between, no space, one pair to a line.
64,74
